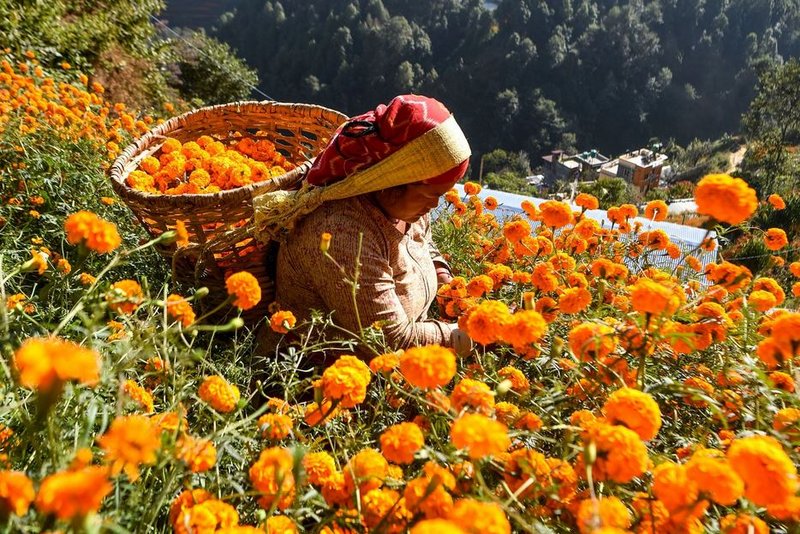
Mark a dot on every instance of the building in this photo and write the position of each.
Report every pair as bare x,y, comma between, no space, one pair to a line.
641,167
559,167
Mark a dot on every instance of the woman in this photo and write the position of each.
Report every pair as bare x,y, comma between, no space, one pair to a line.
375,184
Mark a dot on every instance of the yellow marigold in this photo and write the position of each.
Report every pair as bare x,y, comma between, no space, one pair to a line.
130,442
648,296
346,381
635,410
244,287
125,296
762,300
219,394
282,321
775,239
199,455
275,426
73,494
606,512
715,478
786,418
180,309
44,363
383,507
319,467
479,435
63,266
574,300
271,475
385,363
776,201
592,340
742,524
486,321
16,493
725,198
477,517
428,367
621,454
656,210
472,394
555,214
367,469
400,442
86,279
769,475
524,328
13,301
519,382
98,235
138,394
436,526
280,524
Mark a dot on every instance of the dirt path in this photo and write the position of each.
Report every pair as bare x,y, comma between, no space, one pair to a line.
735,158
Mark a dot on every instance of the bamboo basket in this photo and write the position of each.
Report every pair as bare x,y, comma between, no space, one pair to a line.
299,132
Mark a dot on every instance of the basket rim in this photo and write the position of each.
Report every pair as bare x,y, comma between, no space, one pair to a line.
117,172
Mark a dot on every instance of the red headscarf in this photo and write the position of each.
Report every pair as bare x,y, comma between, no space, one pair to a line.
366,139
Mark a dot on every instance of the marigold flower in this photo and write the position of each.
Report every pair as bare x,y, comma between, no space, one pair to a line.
219,393
516,230
524,465
436,526
86,279
742,524
574,300
429,496
472,188
272,476
725,198
621,455
73,494
490,203
768,473
607,512
43,363
479,435
16,493
180,309
275,426
210,515
480,285
775,239
315,414
367,469
138,394
715,478
776,201
656,210
346,381
592,340
555,214
477,517
400,442
762,300
187,499
199,455
319,467
486,321
385,363
648,296
98,235
473,394
130,442
635,410
587,201
124,296
383,506
519,382
282,321
428,367
245,288
277,524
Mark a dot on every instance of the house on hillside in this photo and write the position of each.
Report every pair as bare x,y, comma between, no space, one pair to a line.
642,168
584,166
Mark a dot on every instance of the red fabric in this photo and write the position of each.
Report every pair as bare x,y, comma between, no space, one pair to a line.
366,139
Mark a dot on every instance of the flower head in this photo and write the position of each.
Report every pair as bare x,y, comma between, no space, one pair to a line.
244,287
43,363
219,393
725,198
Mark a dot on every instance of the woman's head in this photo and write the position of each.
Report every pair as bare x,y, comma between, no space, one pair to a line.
395,135
410,202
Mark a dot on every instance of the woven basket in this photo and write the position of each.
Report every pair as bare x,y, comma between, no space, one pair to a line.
299,132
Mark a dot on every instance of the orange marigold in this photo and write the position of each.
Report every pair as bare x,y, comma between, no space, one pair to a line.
275,426
480,285
587,201
138,394
244,287
199,455
486,321
776,201
73,494
400,442
656,210
219,394
607,512
714,477
16,493
769,475
346,381
428,367
125,296
44,363
775,239
621,454
472,394
367,469
524,328
742,524
648,296
479,435
98,235
725,198
436,526
272,476
592,340
574,300
130,442
319,467
179,309
635,410
477,517
282,321
555,214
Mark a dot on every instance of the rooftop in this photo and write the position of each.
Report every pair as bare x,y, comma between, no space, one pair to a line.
644,158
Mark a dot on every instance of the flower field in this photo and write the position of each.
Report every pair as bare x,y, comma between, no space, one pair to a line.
602,395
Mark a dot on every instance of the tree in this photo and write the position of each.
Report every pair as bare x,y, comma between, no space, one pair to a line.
609,191
772,122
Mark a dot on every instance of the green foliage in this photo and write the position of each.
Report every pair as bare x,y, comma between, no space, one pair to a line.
207,71
772,122
701,157
609,191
